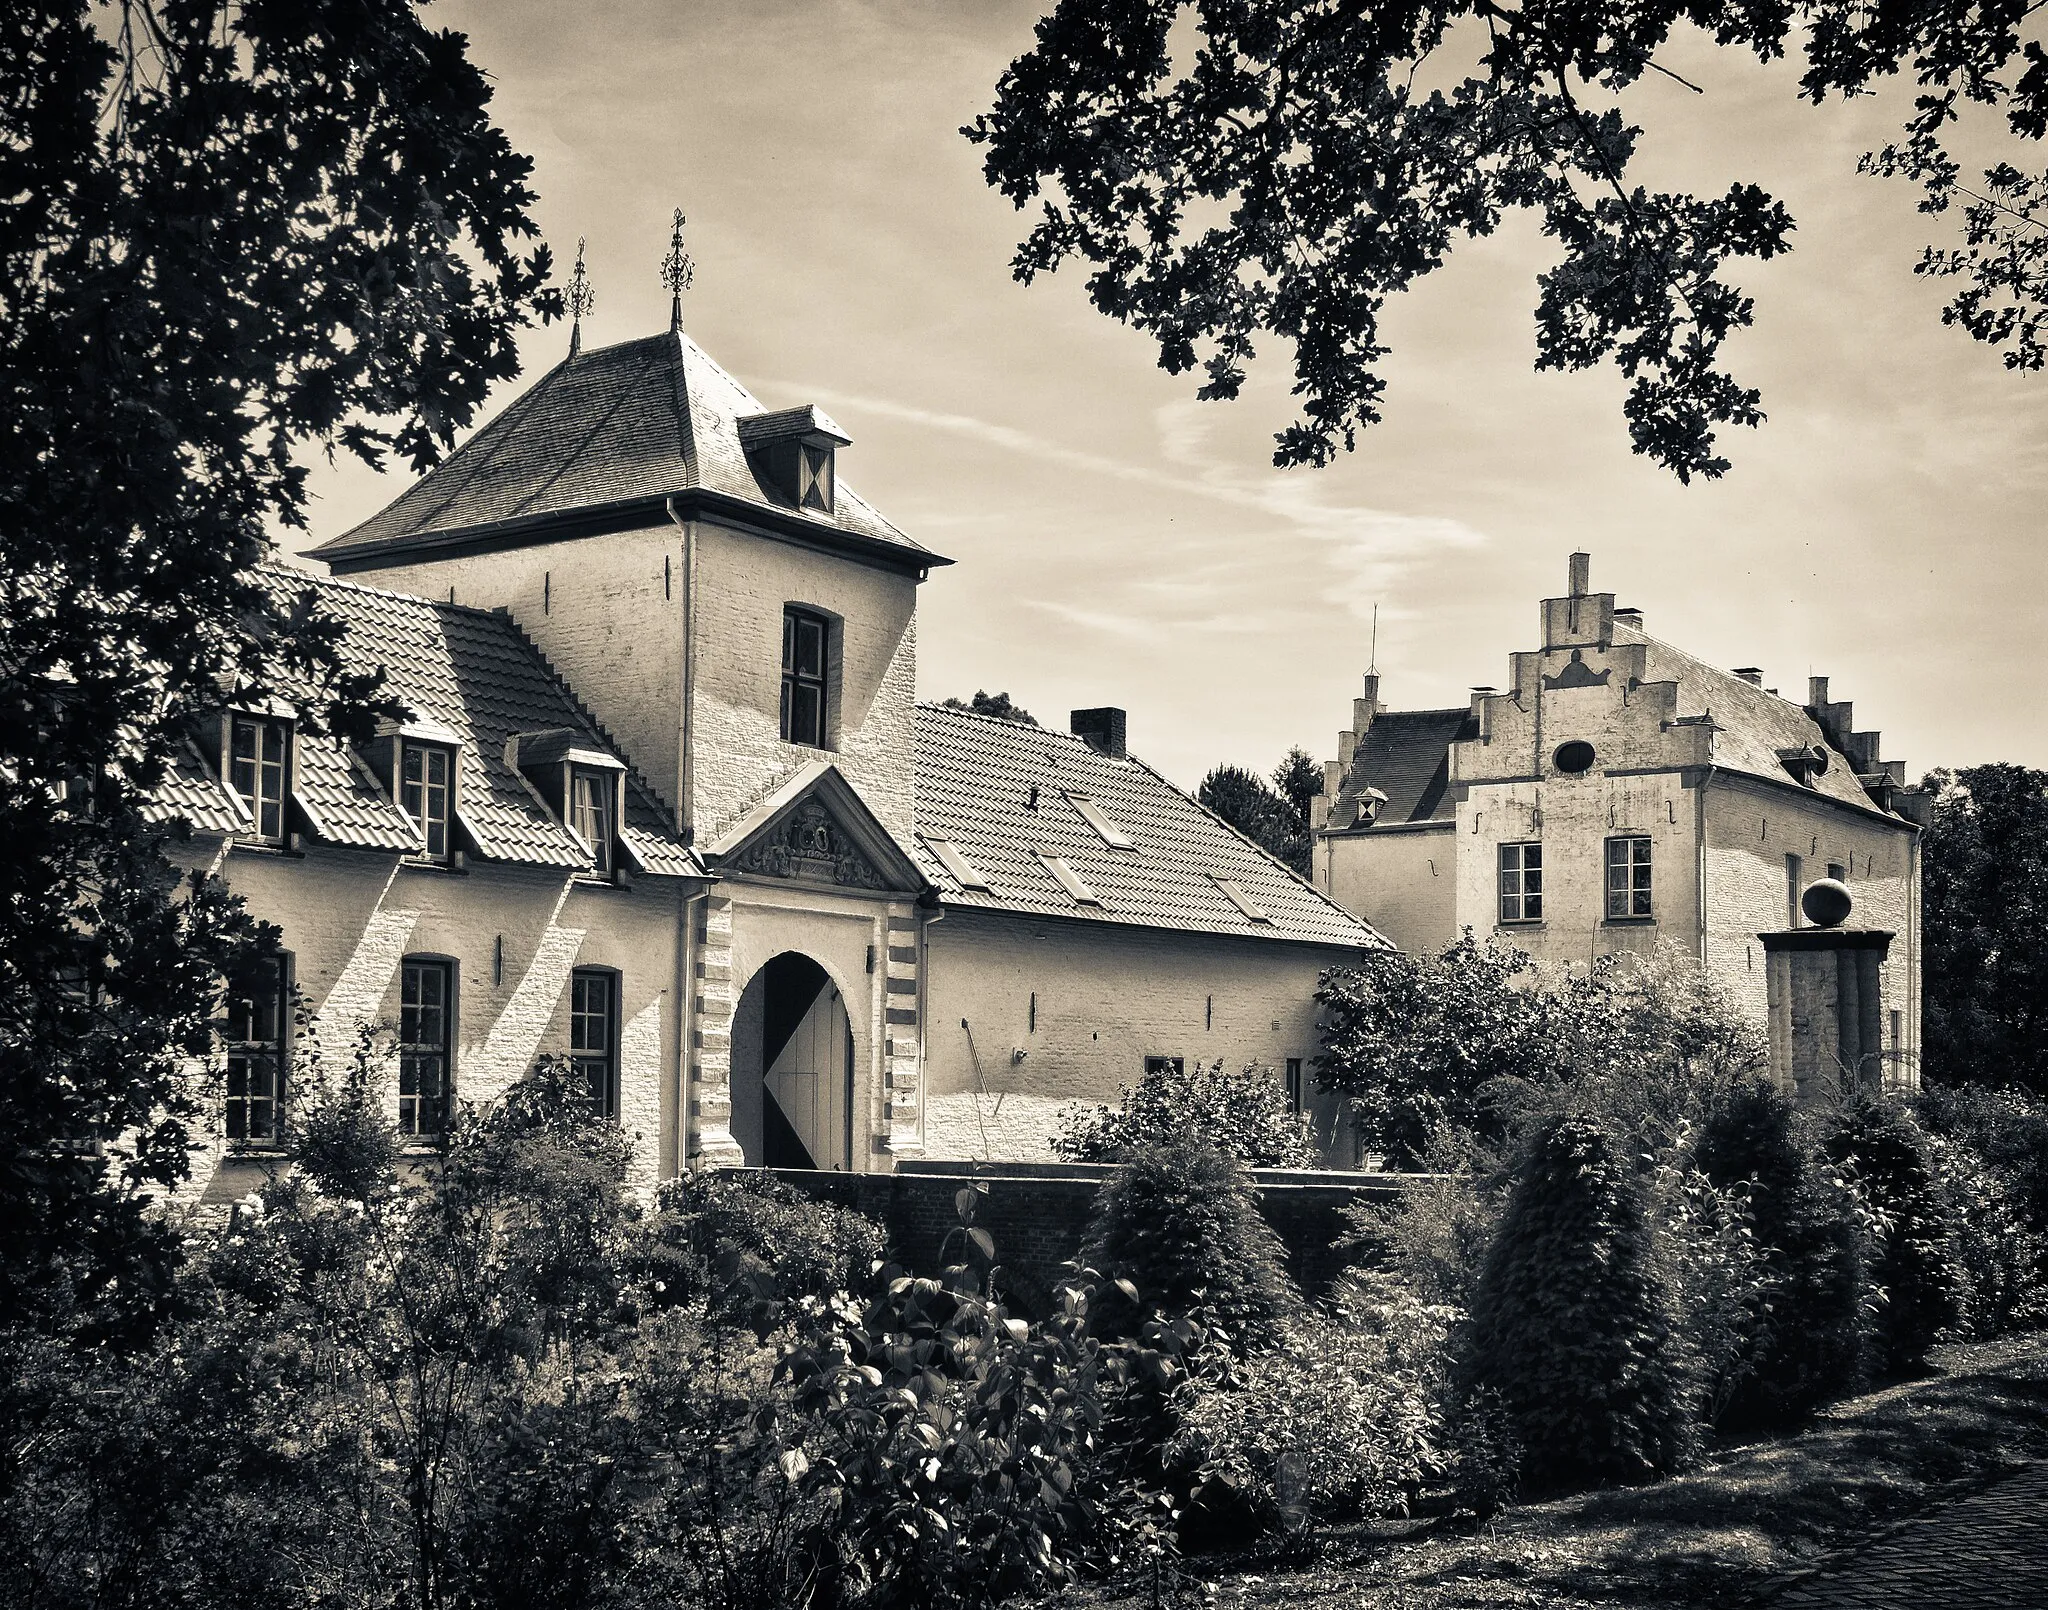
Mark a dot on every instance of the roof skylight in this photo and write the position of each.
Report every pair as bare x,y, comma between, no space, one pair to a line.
1070,880
963,871
1240,899
1092,814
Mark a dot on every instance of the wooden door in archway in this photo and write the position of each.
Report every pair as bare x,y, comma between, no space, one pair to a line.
807,1061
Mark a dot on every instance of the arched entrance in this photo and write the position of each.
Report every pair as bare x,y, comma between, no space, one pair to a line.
792,1072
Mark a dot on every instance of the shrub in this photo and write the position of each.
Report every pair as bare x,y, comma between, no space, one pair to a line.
1717,1274
341,1137
1572,1327
2006,1128
1180,1222
1890,1163
1246,1114
1342,1417
1434,1234
2003,1258
705,1219
1803,1328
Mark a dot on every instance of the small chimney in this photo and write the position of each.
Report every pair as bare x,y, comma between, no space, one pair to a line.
1102,730
1817,692
1752,674
1581,575
1624,616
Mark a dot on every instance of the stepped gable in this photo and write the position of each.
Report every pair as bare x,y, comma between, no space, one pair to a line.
609,431
975,781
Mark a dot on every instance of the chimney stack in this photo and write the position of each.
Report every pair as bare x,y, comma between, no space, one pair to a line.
1752,674
1625,616
1581,575
1101,729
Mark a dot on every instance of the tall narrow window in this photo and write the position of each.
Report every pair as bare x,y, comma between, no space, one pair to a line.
1794,873
256,1041
1628,878
1521,882
594,1034
1294,1090
424,795
424,1082
805,640
258,751
590,813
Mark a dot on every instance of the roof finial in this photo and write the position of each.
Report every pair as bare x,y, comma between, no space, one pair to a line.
1372,667
581,300
676,273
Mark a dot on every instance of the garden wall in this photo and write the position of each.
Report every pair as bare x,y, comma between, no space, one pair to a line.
1038,1214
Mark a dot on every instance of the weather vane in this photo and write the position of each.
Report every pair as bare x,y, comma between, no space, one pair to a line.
581,300
676,273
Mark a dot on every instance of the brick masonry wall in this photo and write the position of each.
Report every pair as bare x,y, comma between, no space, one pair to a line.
1404,883
1039,1217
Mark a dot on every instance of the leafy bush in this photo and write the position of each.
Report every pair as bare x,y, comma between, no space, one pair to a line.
2006,1128
1180,1222
704,1219
1717,1271
1572,1326
341,1137
1341,1418
1890,1163
2003,1258
1434,1233
1803,1320
1246,1114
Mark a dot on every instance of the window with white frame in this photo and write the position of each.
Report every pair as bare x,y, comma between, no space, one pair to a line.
259,768
594,1034
425,1046
426,793
590,814
1521,882
1628,878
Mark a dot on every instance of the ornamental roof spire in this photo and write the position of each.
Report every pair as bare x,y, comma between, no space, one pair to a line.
676,273
581,299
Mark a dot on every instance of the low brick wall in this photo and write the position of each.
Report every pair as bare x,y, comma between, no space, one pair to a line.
1038,1214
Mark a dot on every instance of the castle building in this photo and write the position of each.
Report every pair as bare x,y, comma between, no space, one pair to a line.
666,802
1620,795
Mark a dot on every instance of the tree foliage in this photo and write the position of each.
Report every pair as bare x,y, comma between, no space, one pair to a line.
996,705
1230,169
1245,1114
232,229
1985,888
1259,811
1573,1332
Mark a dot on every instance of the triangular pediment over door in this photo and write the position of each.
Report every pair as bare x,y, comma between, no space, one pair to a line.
816,830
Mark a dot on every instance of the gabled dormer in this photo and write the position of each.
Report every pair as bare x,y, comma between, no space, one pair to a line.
793,454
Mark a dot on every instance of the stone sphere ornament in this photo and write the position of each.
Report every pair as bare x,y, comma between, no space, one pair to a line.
1827,903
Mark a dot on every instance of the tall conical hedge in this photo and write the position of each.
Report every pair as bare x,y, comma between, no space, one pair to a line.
1572,1338
1805,1332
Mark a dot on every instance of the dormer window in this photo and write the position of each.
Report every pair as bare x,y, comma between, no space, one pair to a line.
426,793
590,814
814,478
259,764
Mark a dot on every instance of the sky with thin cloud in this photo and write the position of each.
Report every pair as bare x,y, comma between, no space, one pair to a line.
1119,543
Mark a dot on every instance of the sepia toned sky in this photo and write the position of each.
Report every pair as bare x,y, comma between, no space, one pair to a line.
1119,543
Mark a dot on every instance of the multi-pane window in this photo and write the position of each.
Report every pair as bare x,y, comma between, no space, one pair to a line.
258,751
805,638
1295,1093
590,813
425,795
594,1034
1521,882
1628,878
814,478
256,1042
424,1021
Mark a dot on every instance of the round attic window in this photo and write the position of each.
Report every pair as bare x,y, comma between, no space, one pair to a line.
1576,756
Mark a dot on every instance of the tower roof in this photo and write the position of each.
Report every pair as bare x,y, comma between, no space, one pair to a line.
600,442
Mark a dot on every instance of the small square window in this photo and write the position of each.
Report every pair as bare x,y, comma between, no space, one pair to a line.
1521,882
259,758
1628,879
426,793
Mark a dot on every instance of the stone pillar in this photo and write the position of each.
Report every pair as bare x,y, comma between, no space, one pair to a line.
708,1141
1826,1009
903,1039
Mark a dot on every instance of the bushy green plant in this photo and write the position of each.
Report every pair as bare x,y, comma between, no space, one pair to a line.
1179,1222
1433,1233
2006,1127
1246,1114
1803,1320
2003,1258
704,1218
1341,1418
1889,1162
1717,1272
1572,1327
340,1136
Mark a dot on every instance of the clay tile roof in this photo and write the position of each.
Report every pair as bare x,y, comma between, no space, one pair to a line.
478,676
192,791
645,419
1405,754
975,775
